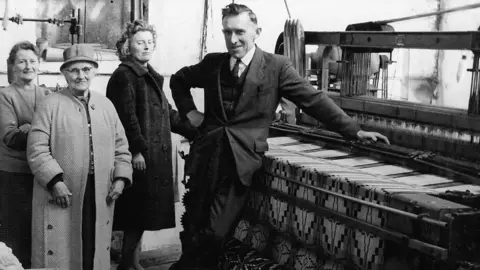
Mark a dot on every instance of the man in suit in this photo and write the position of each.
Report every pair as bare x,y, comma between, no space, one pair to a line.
242,90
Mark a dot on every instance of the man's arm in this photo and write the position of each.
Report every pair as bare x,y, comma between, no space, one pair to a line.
181,126
44,167
184,80
315,103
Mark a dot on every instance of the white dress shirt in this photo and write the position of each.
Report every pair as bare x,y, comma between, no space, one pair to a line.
245,61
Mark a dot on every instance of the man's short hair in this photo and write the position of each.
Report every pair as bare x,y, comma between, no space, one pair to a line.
235,9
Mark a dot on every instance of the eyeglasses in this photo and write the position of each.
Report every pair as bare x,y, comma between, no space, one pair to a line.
76,71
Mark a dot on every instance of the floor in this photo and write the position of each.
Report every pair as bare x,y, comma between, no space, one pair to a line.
161,248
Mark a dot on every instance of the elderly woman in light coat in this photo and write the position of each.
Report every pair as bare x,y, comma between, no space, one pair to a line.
78,153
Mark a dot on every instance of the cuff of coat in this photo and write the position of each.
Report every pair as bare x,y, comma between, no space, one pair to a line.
56,179
47,172
351,131
185,108
138,146
124,172
18,141
191,135
189,131
125,181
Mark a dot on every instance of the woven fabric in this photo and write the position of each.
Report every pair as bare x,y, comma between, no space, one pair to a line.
282,250
298,238
240,256
242,231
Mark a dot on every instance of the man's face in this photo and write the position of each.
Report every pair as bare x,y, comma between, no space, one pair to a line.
240,34
79,75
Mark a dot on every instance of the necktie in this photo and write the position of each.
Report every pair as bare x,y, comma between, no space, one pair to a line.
236,68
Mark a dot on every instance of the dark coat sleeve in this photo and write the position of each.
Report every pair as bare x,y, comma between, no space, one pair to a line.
121,91
178,125
181,126
314,102
185,79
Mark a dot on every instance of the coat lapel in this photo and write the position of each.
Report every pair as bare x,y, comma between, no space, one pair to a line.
253,80
216,72
149,74
157,80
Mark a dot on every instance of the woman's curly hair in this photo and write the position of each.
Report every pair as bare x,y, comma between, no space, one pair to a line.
23,45
123,44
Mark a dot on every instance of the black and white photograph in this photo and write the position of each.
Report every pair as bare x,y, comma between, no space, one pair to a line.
239,135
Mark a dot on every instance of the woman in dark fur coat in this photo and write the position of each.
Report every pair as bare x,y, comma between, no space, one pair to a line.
136,90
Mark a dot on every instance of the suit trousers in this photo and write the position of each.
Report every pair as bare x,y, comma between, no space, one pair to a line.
212,208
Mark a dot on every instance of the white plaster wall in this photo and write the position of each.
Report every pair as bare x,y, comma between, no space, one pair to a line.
15,33
455,89
179,27
28,31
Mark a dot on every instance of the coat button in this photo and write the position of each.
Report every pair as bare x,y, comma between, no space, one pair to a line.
108,222
108,248
165,183
50,252
165,147
50,227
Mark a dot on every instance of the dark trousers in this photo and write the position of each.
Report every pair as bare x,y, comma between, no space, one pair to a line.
212,210
131,239
88,224
202,245
16,190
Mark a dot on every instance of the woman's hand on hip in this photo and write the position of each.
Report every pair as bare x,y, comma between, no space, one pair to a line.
139,162
61,195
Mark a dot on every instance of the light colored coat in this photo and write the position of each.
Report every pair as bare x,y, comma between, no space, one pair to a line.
59,143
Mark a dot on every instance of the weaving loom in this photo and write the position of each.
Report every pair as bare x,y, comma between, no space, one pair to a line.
326,203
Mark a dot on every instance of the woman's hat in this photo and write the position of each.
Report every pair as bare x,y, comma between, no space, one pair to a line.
78,52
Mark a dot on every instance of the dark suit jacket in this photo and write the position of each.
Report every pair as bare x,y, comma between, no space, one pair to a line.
269,78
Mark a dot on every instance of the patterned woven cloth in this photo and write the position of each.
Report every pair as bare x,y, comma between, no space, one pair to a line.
295,169
281,224
240,256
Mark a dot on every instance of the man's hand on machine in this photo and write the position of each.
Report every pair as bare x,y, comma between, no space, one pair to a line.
373,136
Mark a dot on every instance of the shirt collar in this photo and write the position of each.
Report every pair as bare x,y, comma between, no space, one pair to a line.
245,59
